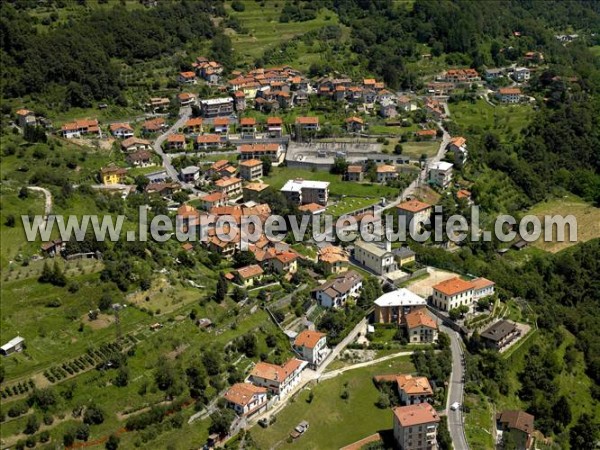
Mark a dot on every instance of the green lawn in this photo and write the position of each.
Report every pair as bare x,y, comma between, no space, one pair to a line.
353,419
280,175
506,120
587,215
478,422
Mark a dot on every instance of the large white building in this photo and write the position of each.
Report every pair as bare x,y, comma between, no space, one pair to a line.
391,307
304,192
452,293
374,257
456,292
440,173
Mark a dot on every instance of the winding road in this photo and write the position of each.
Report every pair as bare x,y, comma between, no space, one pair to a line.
184,115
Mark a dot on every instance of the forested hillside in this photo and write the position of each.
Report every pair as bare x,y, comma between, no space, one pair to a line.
79,62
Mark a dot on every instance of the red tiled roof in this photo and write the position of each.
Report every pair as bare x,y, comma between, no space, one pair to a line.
208,139
251,271
414,206
308,339
251,163
243,393
419,318
419,414
453,286
307,120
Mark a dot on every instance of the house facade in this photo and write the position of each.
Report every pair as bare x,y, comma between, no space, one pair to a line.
230,186
392,307
312,347
500,335
303,192
415,212
421,327
375,258
272,151
336,292
246,399
413,390
452,293
440,174
278,380
251,169
415,427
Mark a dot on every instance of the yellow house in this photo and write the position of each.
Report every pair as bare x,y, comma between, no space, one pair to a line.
249,91
334,259
246,276
112,175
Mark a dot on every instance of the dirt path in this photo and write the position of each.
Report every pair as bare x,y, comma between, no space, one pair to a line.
335,373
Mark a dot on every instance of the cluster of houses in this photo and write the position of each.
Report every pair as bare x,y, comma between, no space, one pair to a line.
268,383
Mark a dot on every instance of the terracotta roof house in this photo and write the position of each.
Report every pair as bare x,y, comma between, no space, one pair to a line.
421,327
414,423
205,141
279,380
135,144
246,276
312,347
334,259
121,130
519,425
246,399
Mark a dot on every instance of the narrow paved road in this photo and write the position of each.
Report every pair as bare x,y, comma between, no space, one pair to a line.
456,392
184,115
412,187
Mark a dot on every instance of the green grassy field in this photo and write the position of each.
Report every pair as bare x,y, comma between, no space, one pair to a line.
328,411
280,175
478,422
265,31
476,118
587,216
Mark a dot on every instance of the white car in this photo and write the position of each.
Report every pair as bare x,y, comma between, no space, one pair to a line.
455,406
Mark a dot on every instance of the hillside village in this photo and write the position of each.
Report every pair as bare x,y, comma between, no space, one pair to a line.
312,342
251,147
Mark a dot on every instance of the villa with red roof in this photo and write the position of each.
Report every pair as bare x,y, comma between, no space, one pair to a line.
452,293
312,347
274,127
307,124
279,380
416,423
416,213
246,399
81,127
187,78
421,327
455,292
206,141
